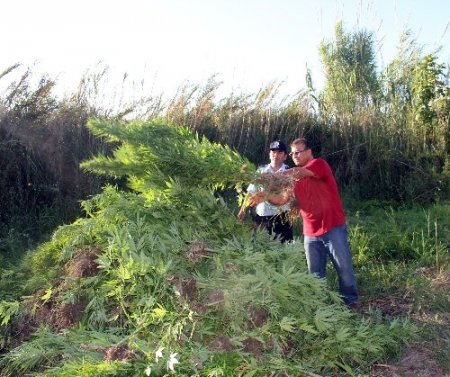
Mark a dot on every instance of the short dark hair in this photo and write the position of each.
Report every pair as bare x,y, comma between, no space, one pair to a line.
301,140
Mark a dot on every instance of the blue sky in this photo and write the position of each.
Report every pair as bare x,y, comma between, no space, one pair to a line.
247,43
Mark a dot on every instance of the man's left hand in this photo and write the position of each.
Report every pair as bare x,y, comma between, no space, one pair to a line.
257,198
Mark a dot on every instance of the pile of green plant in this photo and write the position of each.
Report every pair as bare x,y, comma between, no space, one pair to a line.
162,280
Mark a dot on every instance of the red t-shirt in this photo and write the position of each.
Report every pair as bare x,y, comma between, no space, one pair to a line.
319,201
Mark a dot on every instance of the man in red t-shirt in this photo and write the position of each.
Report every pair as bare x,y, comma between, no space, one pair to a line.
324,226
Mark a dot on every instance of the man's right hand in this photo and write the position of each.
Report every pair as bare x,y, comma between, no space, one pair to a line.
241,214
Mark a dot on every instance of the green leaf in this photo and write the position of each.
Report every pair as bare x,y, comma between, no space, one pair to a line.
7,310
251,373
47,295
288,324
123,272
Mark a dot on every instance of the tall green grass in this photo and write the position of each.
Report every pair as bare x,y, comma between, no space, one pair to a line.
387,139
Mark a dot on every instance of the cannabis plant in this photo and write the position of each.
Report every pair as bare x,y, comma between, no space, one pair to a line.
163,280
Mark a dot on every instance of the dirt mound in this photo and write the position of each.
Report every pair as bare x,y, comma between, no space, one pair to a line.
252,346
119,353
49,308
257,317
197,251
187,287
220,344
67,315
52,313
83,263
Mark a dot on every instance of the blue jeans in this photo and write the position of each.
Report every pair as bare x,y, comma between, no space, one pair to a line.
333,245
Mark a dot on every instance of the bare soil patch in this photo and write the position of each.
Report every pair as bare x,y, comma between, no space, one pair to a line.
119,353
388,306
83,263
53,311
56,315
421,359
417,362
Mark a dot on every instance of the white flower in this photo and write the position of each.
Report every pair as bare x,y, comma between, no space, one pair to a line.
172,361
158,353
148,371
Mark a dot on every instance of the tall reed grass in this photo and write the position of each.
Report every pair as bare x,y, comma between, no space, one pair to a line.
377,150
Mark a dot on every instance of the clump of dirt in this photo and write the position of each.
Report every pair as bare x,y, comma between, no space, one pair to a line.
293,212
115,313
197,251
37,309
287,347
83,263
187,287
119,353
52,311
249,345
57,316
253,346
196,362
216,298
416,362
257,317
67,315
199,308
22,329
290,347
220,344
388,306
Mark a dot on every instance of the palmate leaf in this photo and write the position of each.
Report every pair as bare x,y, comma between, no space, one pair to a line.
288,324
342,334
7,310
152,153
325,318
308,328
